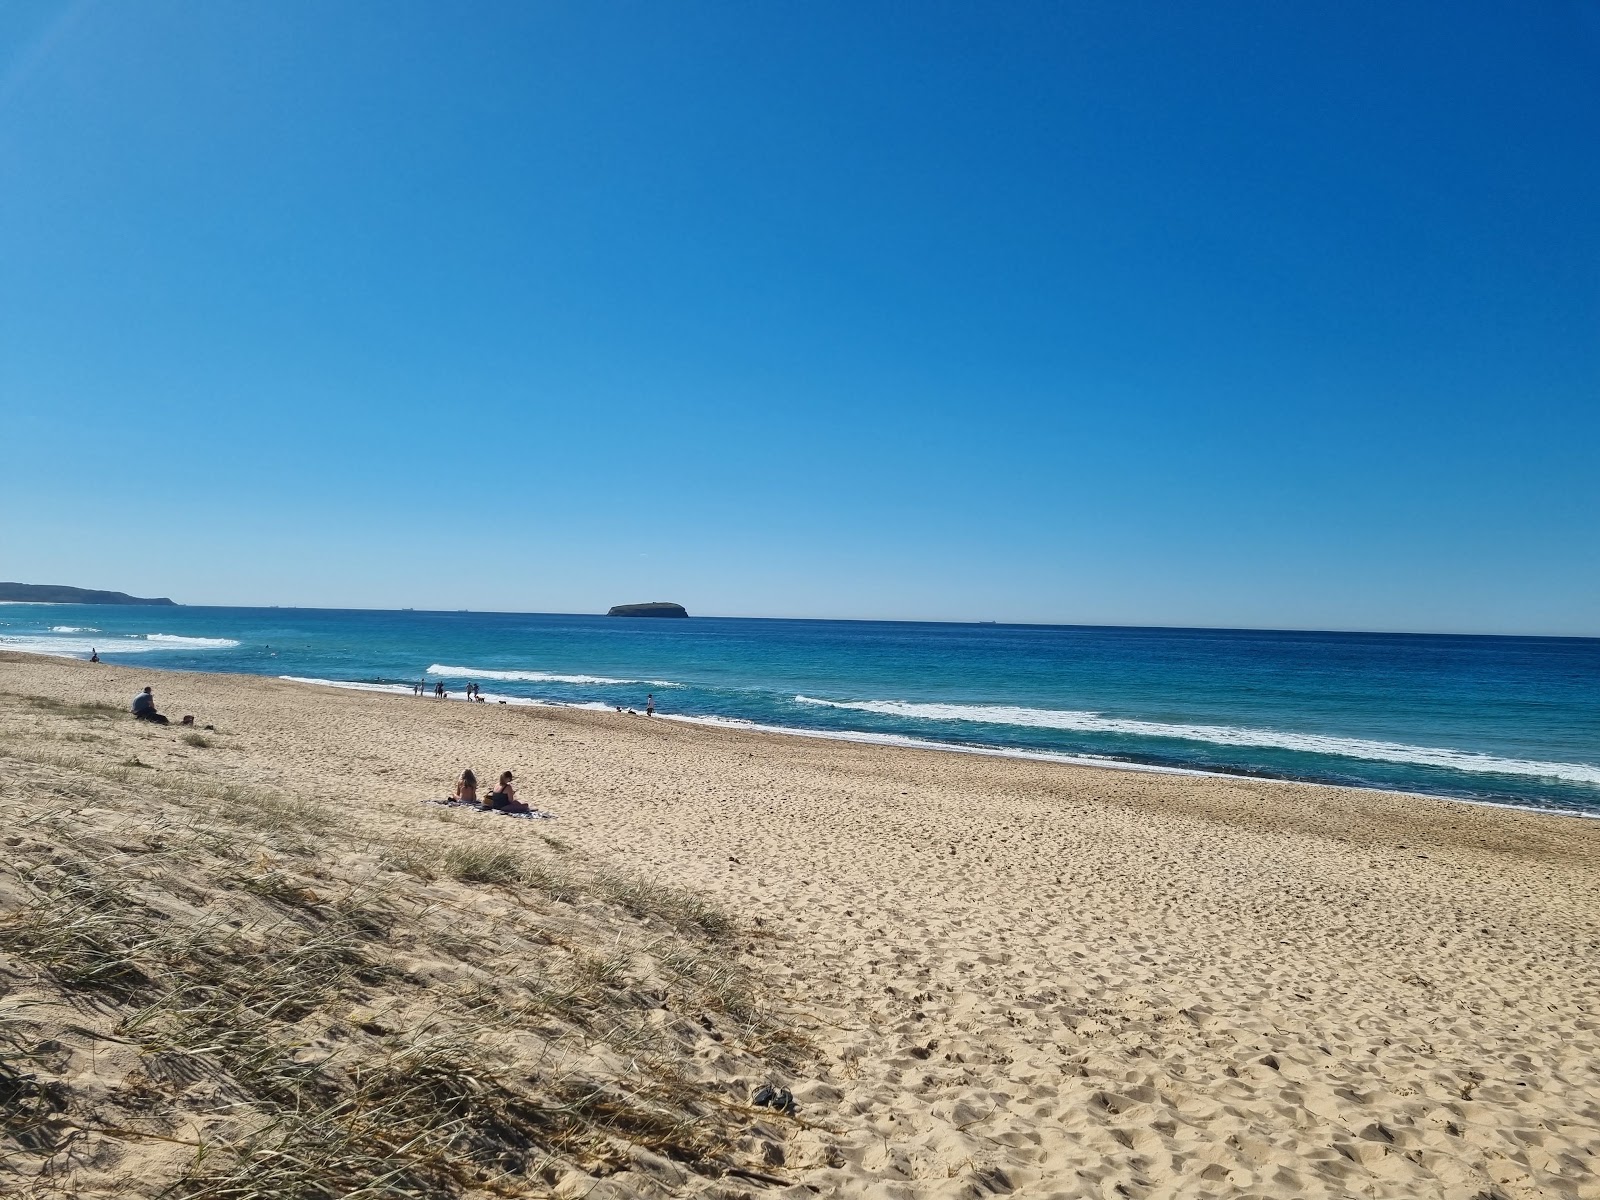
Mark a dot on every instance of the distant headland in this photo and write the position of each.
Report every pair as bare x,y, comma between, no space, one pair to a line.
56,593
658,608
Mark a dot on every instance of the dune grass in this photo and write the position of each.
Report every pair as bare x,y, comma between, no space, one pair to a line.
416,1011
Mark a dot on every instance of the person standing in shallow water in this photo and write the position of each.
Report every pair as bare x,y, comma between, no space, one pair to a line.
650,705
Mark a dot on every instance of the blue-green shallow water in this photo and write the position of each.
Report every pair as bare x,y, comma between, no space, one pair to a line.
1509,720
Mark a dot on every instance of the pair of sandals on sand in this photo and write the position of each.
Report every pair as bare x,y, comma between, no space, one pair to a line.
531,815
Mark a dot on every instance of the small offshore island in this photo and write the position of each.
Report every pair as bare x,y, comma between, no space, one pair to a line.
54,593
656,608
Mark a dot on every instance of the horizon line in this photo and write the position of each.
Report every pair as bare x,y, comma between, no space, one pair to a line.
1176,628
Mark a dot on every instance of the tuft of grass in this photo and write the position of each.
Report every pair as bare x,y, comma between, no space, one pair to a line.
610,970
82,710
553,884
82,928
198,740
134,762
414,856
277,886
288,823
477,863
676,906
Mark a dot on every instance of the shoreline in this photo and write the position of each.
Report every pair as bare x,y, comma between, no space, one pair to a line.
853,738
1367,731
776,738
889,740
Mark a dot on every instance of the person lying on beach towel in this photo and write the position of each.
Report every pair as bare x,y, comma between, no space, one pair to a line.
144,708
466,788
504,798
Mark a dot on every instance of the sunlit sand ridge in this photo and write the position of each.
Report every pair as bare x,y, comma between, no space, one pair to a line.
977,976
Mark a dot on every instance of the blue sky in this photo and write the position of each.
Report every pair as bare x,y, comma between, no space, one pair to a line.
1239,314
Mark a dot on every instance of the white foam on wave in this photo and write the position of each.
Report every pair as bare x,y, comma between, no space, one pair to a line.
537,676
73,629
406,689
57,647
905,741
1224,735
173,639
77,646
398,689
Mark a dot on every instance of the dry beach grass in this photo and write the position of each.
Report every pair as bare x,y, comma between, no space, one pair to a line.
246,963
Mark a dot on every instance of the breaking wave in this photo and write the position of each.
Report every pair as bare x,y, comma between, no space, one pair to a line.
77,646
1222,735
537,676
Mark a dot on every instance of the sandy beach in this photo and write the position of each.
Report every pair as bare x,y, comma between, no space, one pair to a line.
1009,977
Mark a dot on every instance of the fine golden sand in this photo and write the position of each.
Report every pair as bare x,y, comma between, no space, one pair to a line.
978,976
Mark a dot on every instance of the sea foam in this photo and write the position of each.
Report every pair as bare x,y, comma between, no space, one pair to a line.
406,689
68,642
538,676
1222,735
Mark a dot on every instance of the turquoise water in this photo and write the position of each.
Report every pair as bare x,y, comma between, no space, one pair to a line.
1507,720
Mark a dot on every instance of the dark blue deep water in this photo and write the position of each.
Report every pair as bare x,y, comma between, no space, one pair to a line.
1510,720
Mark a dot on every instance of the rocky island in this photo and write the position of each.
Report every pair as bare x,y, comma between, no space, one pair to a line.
57,593
657,608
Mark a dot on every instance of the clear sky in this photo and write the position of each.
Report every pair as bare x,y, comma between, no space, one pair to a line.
1227,314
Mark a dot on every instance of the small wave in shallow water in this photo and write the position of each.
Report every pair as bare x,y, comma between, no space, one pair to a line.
406,689
539,677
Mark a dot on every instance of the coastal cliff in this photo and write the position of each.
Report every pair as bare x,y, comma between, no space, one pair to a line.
657,608
56,593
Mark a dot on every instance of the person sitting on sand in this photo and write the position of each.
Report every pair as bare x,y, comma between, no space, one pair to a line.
504,798
94,655
466,788
144,708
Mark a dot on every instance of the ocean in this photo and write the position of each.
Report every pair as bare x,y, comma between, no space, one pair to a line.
1503,720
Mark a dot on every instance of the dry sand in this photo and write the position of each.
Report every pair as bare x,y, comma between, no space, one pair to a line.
1041,980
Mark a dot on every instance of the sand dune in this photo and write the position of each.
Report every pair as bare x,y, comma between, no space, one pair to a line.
1033,979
